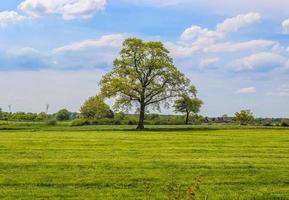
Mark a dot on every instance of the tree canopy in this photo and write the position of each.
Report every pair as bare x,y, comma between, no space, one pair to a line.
188,103
63,115
94,108
244,117
143,75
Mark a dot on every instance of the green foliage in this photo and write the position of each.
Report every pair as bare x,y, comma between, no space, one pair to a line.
51,122
95,108
63,115
188,103
285,123
6,116
22,116
267,122
244,117
80,122
41,116
144,75
119,116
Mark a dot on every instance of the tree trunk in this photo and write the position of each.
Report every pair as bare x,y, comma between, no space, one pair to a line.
187,117
141,118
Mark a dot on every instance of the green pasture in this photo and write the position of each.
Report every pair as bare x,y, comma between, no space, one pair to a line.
155,164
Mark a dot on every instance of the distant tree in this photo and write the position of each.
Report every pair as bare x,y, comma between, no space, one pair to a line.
144,75
284,122
6,116
42,116
19,116
63,115
74,115
244,117
31,116
188,103
95,108
1,114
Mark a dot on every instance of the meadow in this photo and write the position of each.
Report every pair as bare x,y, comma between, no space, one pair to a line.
62,162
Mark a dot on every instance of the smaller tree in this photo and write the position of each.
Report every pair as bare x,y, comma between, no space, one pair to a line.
42,116
244,117
188,103
1,114
63,115
95,108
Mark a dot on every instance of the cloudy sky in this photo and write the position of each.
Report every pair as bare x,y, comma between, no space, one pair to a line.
236,52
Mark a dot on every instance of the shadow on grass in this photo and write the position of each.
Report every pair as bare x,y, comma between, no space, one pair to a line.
124,128
105,128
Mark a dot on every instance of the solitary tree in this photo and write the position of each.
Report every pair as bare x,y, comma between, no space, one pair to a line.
63,115
94,108
188,103
244,117
144,75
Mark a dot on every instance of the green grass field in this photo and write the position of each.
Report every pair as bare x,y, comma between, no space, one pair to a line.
62,164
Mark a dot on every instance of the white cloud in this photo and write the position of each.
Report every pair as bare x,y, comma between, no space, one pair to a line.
113,40
247,90
22,58
195,33
10,17
240,21
179,51
240,46
262,60
25,51
69,9
87,54
285,26
95,52
282,91
196,38
209,63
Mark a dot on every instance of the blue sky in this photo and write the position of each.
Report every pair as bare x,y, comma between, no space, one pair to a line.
236,53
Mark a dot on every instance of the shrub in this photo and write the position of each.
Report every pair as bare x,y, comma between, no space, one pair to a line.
117,122
103,121
51,123
267,122
285,123
132,122
80,122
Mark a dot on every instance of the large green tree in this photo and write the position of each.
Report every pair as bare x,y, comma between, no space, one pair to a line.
144,75
188,103
94,108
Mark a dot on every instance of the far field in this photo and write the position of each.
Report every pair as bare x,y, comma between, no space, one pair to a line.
62,164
